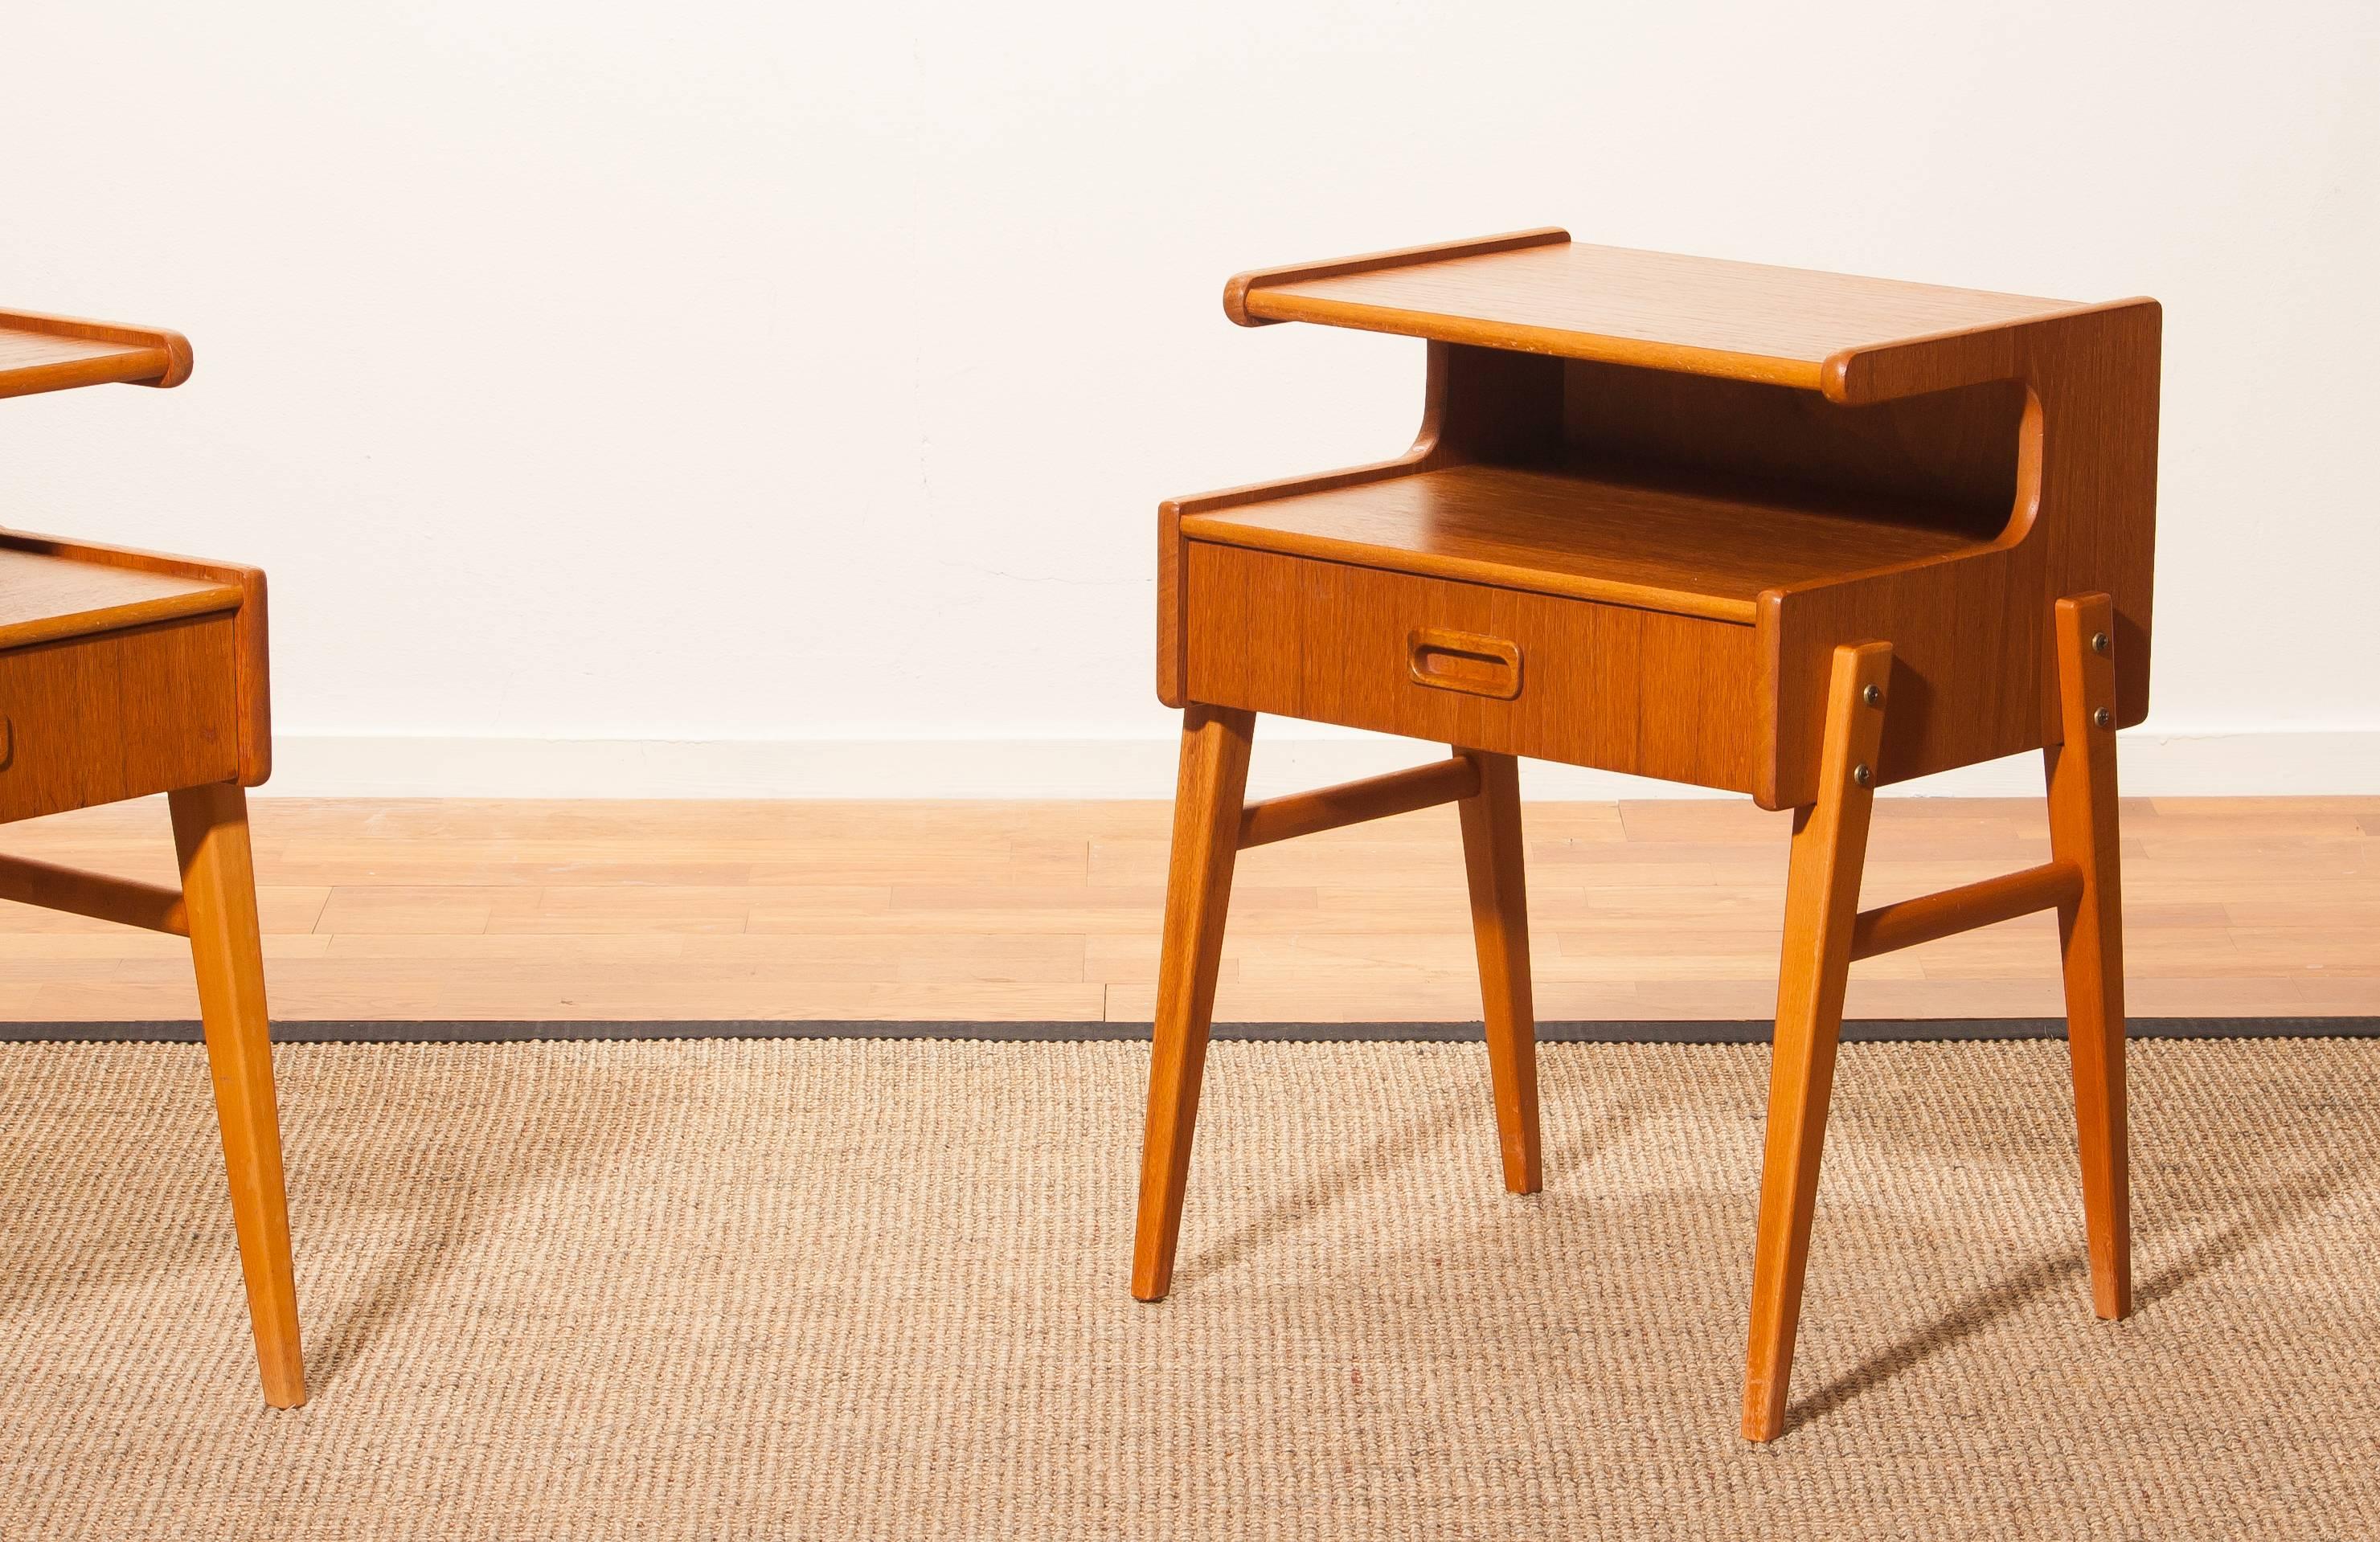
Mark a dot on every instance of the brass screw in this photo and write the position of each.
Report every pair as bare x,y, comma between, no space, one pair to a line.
1873,695
2104,718
1860,773
2098,642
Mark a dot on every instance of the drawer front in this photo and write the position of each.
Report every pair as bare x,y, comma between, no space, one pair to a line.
122,714
1639,691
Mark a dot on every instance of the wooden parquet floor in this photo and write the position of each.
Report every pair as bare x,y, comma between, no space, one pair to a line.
973,911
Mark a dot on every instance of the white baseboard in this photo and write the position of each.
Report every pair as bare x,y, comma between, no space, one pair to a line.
2250,763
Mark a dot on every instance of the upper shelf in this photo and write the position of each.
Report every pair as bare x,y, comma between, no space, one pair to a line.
57,353
1537,291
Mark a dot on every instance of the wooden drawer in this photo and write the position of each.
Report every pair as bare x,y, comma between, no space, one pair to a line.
117,715
1561,679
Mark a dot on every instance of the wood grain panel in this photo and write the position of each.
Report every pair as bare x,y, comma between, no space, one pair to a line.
1624,689
120,715
1947,459
1973,674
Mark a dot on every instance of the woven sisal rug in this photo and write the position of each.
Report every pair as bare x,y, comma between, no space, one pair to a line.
846,1287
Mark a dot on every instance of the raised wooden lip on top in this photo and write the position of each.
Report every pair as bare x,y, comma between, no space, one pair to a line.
1537,291
40,352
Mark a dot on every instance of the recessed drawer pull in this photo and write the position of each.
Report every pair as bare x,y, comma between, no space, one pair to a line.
1464,661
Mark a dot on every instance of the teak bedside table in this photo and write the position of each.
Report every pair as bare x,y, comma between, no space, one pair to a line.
123,673
1785,533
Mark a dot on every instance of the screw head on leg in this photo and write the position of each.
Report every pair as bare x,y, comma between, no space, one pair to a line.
1873,695
1861,774
2098,642
2104,718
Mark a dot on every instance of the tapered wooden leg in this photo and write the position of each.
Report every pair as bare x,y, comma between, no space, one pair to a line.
2091,933
219,890
1207,799
1499,927
1821,900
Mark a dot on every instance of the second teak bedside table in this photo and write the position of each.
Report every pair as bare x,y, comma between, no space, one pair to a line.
1785,533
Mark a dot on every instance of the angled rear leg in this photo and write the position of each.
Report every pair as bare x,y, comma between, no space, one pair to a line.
1500,929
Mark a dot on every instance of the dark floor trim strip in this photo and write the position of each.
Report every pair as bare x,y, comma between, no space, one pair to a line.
1742,1032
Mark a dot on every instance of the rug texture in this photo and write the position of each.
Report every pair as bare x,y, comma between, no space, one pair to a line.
844,1288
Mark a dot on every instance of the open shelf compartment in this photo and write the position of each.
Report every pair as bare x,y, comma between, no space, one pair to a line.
1692,552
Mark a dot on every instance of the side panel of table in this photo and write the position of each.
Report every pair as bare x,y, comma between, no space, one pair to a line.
118,715
252,651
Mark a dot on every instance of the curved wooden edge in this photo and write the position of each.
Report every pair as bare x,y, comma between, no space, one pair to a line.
1552,342
144,613
1172,688
107,364
1971,355
181,361
1235,293
1413,460
1173,638
1475,402
1974,652
174,366
249,638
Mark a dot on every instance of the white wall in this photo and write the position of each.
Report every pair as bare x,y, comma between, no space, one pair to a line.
750,376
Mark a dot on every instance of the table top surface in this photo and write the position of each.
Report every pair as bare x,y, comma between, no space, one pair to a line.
1555,296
